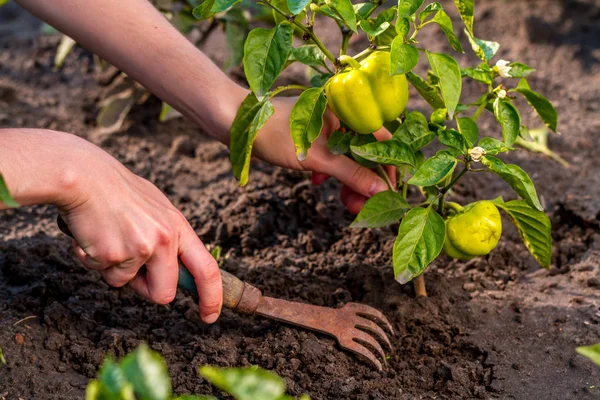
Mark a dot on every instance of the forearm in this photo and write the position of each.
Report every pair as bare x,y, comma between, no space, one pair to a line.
37,165
136,38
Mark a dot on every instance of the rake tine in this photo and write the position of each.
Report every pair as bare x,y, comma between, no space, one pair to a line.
362,351
373,328
371,313
366,339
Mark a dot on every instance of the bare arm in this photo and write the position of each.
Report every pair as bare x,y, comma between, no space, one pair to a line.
136,38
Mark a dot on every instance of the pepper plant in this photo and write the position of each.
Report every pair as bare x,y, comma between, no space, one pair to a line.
370,89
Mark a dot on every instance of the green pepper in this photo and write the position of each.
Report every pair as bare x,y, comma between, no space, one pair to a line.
473,231
364,96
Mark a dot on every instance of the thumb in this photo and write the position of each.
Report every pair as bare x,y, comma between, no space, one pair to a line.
358,178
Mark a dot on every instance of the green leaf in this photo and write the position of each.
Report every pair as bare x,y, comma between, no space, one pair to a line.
64,48
251,116
2,359
508,117
345,10
478,74
428,92
414,131
222,5
402,27
493,146
309,55
361,140
247,383
516,178
318,81
540,104
5,196
591,352
445,23
448,72
373,27
534,227
454,139
389,152
297,6
407,8
167,113
434,170
113,380
469,130
484,49
363,10
339,143
404,57
430,9
386,38
519,70
236,30
465,9
265,54
420,240
147,373
306,120
384,208
203,11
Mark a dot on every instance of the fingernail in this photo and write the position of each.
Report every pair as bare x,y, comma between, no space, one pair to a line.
377,186
211,318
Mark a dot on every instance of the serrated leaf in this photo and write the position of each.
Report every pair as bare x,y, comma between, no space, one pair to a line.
420,240
469,130
540,104
428,92
484,49
445,23
591,352
383,209
509,119
5,196
448,72
389,152
493,146
306,120
406,8
414,131
297,6
345,10
534,227
339,143
434,170
309,55
404,57
265,55
246,383
465,9
147,372
516,178
519,70
250,118
454,139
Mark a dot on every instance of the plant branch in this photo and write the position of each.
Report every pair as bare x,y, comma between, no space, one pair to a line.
419,285
381,172
284,88
538,148
369,50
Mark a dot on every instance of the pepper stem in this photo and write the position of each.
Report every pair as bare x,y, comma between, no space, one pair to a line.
419,285
454,206
347,60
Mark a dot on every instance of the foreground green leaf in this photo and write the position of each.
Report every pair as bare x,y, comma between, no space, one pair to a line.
428,92
540,104
306,120
484,49
534,227
508,117
384,208
591,352
445,23
454,139
420,240
251,116
112,379
414,131
407,8
469,130
147,373
448,71
388,152
465,9
247,383
520,70
297,6
309,55
434,170
493,146
339,142
516,178
403,57
345,11
5,196
265,55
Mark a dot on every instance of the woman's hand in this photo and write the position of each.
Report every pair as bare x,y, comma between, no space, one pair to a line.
274,145
119,221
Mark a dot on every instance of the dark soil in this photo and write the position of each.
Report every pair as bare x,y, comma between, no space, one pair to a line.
495,327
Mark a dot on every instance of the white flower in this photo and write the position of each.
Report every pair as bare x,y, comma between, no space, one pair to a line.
476,153
503,68
502,94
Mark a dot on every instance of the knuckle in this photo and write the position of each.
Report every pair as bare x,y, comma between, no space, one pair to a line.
210,273
358,174
143,249
210,305
109,257
165,235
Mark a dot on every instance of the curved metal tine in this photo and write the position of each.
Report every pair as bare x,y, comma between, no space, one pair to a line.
371,327
362,351
366,339
370,312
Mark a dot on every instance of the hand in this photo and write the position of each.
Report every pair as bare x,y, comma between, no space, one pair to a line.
121,222
274,145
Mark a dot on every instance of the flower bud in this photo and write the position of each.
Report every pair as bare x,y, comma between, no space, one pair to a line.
503,68
476,153
501,94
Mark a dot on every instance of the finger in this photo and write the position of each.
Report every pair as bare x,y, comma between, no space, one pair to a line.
206,274
392,173
86,260
118,276
352,200
318,178
158,283
382,134
360,179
